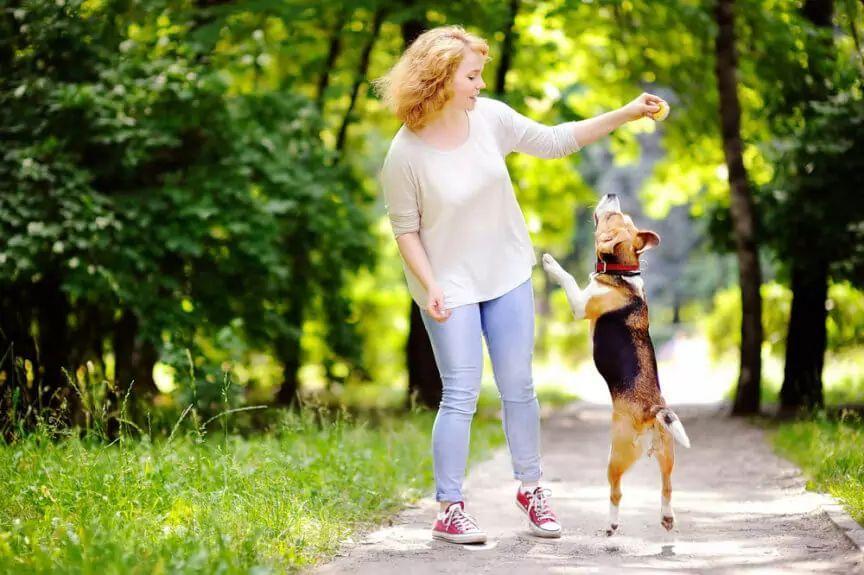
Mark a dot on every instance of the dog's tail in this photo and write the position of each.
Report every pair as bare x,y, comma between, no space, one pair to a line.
672,424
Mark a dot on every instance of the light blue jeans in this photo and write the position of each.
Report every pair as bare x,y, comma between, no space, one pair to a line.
508,325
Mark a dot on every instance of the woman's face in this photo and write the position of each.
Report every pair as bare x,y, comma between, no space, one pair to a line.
468,81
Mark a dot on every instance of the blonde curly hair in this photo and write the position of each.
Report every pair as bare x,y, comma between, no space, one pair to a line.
421,82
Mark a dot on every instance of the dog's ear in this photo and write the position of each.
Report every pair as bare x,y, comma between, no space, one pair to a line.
645,240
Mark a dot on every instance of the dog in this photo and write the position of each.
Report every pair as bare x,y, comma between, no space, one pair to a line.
614,302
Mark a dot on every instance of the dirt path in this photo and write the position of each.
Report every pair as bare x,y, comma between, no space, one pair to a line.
739,509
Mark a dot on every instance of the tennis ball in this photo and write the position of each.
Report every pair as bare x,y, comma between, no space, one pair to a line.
661,114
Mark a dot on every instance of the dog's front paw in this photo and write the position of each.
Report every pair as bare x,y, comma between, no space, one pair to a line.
553,268
610,531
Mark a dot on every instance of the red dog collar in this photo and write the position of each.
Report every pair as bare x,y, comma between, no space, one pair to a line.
603,267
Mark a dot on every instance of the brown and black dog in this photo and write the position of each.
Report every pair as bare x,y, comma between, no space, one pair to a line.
614,302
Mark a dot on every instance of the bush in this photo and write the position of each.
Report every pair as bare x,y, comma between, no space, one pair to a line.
722,326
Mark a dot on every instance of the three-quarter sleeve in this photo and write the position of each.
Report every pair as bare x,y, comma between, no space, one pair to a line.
400,195
518,133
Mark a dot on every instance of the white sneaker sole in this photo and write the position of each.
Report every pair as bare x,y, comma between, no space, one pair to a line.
462,539
539,531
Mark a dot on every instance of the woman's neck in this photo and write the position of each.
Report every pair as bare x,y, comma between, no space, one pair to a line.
447,119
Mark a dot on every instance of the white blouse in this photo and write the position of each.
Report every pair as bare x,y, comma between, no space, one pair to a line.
463,205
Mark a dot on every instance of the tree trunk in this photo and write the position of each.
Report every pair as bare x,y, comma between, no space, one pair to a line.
676,308
819,12
333,52
288,348
146,356
123,345
53,330
507,50
413,25
86,342
362,69
17,345
52,317
288,353
424,380
134,360
205,13
807,339
743,214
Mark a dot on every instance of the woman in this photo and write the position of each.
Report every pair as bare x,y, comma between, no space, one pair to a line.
466,252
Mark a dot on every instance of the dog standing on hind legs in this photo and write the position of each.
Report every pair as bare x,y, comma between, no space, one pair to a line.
614,302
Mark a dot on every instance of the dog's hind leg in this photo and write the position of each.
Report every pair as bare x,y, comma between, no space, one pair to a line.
623,454
666,460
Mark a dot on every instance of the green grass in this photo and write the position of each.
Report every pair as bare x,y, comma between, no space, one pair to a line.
217,503
831,453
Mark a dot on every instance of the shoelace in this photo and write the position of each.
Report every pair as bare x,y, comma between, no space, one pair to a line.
462,520
540,504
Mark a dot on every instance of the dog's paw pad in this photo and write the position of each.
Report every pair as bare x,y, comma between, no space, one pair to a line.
611,530
667,522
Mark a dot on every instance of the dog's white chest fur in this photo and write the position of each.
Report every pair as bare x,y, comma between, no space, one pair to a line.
637,283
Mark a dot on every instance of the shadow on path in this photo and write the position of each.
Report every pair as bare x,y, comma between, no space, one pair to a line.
739,508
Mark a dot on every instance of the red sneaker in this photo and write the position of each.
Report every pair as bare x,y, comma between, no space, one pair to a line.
456,526
541,518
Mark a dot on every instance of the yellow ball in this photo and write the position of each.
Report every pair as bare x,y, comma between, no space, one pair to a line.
661,114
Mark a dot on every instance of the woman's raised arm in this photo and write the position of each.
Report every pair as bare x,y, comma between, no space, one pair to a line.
590,130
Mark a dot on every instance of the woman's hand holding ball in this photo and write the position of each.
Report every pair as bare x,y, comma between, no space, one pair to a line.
647,106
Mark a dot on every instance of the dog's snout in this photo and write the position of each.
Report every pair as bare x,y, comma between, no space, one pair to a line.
609,203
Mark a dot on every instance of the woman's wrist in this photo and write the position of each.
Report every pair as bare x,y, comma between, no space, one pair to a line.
623,115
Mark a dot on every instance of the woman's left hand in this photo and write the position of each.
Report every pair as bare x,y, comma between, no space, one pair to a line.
642,107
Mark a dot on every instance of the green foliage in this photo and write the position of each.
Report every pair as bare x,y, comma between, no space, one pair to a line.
812,208
135,178
830,453
722,325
